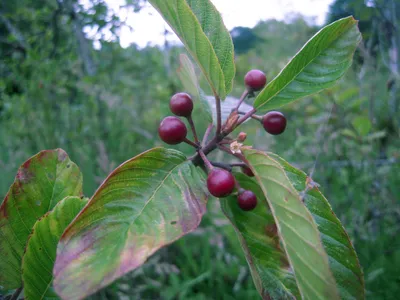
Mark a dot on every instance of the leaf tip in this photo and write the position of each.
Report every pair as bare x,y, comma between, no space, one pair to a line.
62,155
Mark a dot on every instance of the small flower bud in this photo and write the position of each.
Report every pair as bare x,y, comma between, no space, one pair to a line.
241,137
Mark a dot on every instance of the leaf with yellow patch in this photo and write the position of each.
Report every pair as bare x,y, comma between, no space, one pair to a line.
146,203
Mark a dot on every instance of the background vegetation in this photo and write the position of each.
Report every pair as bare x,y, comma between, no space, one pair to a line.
103,106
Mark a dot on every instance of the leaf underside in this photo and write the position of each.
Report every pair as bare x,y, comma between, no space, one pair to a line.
199,26
40,254
258,236
146,203
296,228
190,83
41,182
322,61
343,259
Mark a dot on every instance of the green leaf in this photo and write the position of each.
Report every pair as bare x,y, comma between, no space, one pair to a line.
41,182
348,133
343,259
376,136
201,29
362,125
323,60
347,95
257,233
296,228
189,80
40,254
146,203
218,35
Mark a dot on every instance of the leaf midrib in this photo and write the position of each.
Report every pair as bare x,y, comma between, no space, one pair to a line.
293,192
297,74
155,191
254,260
208,77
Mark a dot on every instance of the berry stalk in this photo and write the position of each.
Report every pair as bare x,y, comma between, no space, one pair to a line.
206,135
193,128
219,116
242,98
189,142
207,163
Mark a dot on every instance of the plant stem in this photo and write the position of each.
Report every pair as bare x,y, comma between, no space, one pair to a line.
242,98
205,160
237,185
189,142
256,117
219,118
225,141
227,150
222,165
239,164
245,117
16,294
213,144
206,135
191,123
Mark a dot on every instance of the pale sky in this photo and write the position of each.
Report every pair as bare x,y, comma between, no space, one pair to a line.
148,26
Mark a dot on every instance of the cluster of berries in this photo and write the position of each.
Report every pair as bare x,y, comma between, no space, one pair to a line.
220,182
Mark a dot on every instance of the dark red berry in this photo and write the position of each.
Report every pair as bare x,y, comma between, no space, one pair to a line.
255,80
181,105
220,183
172,130
274,122
246,170
247,200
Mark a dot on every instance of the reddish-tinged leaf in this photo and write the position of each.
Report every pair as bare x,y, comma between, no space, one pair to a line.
40,253
146,203
41,182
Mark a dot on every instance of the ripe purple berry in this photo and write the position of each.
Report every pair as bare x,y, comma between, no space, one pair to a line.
274,122
172,130
220,183
247,200
181,104
255,80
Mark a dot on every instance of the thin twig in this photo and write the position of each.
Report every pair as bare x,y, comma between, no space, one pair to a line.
227,167
205,160
239,164
242,98
253,116
226,141
245,117
227,150
219,117
191,123
206,135
189,142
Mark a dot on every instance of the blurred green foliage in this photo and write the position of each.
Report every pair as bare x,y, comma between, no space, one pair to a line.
103,107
